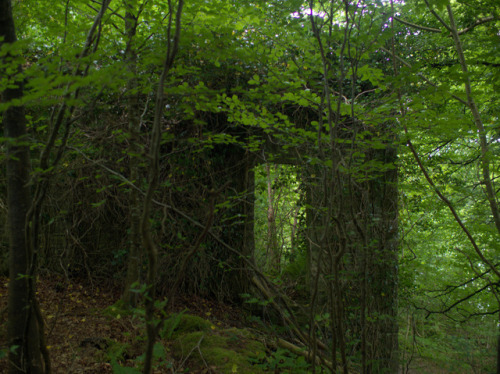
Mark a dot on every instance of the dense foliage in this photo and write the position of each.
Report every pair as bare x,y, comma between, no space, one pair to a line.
332,165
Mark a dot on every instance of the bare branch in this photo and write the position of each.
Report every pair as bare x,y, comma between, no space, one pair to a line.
450,307
477,23
450,288
414,25
438,17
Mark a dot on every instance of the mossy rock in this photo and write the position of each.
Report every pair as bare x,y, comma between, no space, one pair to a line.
180,324
224,351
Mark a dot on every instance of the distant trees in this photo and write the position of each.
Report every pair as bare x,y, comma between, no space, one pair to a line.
445,51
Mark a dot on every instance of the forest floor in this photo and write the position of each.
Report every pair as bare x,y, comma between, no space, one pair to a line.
81,321
78,326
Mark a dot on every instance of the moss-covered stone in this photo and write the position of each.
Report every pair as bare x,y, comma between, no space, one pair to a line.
179,324
225,351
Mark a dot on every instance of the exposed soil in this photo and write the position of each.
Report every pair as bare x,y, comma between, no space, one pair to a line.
78,331
81,324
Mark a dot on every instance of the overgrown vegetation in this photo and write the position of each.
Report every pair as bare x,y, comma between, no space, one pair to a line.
328,168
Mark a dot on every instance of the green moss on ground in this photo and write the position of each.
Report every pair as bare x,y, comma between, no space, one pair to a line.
179,324
223,350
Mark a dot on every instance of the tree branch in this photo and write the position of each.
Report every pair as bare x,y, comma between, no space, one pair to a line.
414,25
437,16
447,309
477,23
450,288
427,80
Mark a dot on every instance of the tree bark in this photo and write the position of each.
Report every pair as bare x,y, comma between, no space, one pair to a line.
272,249
133,265
23,329
154,173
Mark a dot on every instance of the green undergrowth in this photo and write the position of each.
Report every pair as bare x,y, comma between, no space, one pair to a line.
180,323
188,343
117,310
197,343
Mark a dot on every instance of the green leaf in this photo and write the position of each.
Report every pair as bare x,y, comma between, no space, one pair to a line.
118,369
159,351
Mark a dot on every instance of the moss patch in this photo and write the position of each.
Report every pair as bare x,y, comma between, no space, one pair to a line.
180,324
222,350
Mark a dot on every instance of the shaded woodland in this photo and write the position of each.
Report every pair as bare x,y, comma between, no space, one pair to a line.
249,186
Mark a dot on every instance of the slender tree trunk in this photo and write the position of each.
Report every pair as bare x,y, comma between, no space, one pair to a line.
23,330
134,258
485,151
481,132
498,345
272,240
295,224
154,171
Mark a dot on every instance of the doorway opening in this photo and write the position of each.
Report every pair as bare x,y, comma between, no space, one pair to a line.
279,217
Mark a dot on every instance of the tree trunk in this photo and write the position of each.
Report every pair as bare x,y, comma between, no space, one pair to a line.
23,330
273,252
498,345
134,257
